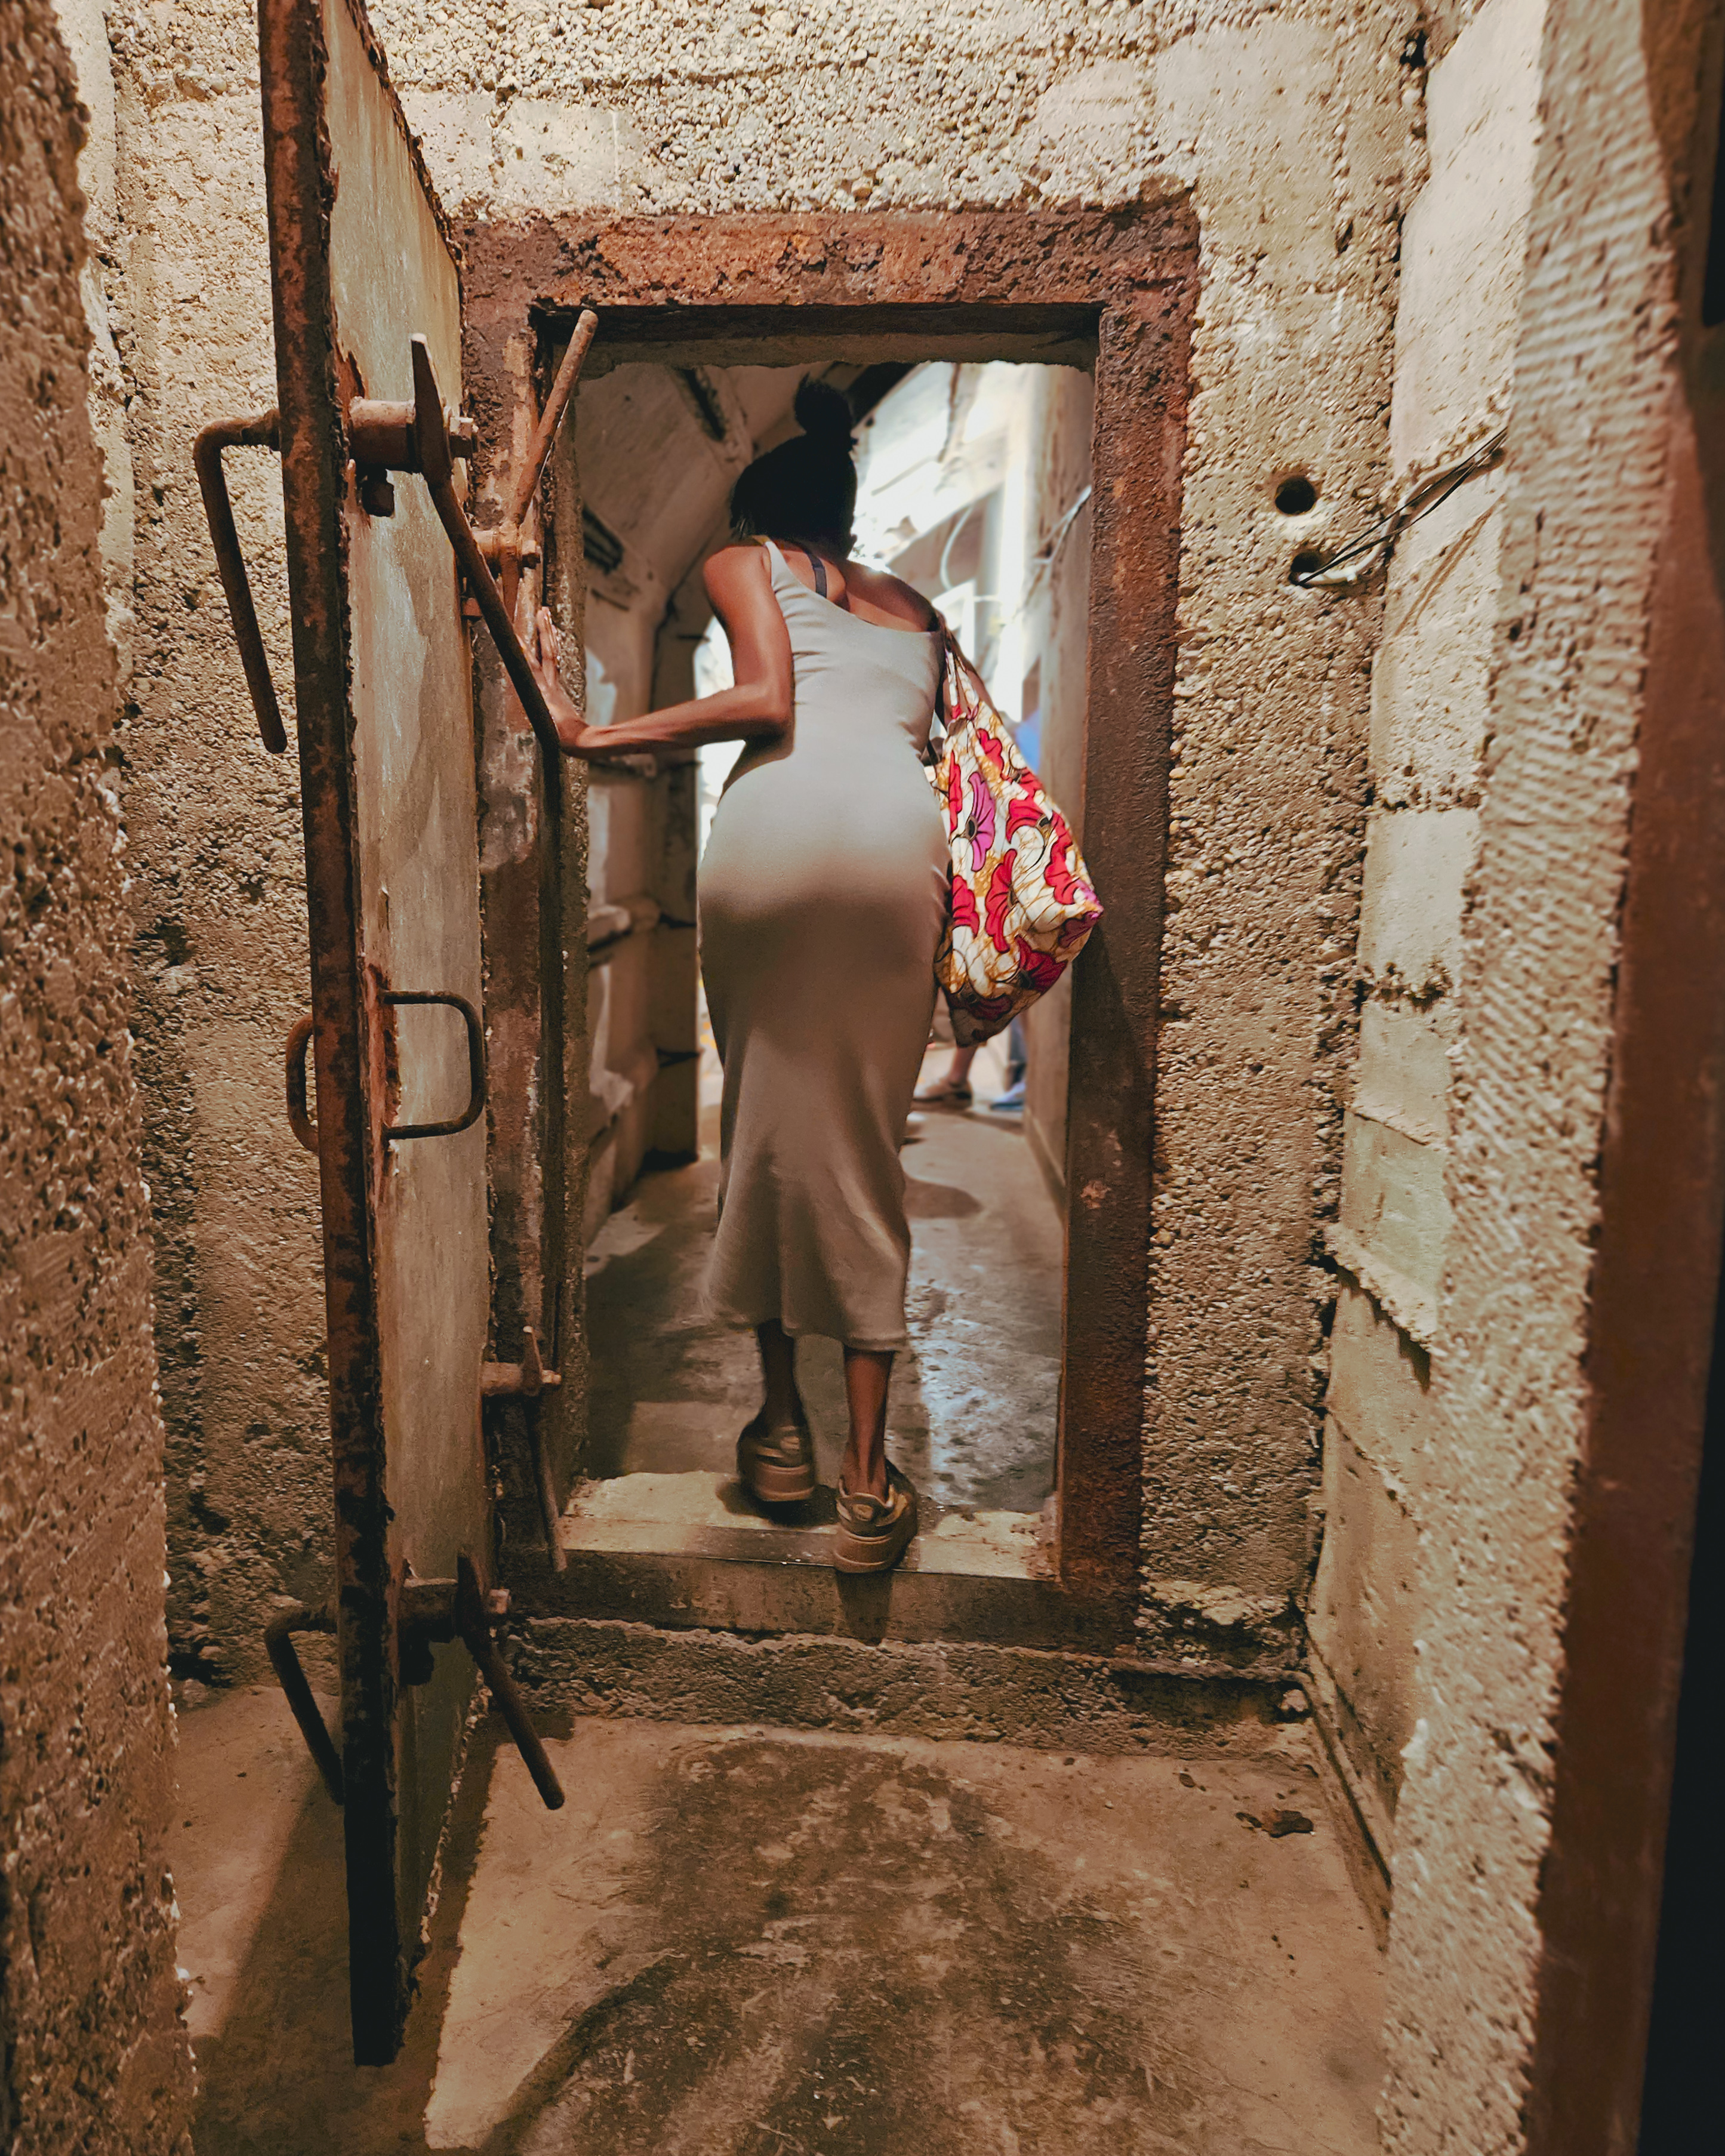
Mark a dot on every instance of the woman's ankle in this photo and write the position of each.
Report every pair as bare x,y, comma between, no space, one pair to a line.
858,1480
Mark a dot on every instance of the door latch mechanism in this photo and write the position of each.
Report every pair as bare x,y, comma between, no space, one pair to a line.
528,1381
433,1611
385,436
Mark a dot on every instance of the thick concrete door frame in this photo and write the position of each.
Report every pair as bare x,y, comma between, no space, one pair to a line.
1114,290
368,316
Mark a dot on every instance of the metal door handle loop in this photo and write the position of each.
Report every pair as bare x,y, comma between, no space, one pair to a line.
261,431
298,1112
285,1660
396,1132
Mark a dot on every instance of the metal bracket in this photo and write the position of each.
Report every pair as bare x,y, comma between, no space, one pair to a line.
285,1660
525,1380
261,431
528,1381
433,1611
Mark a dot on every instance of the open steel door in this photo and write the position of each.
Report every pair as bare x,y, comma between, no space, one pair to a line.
367,309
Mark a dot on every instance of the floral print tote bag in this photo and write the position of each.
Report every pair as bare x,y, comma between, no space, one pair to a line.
1022,905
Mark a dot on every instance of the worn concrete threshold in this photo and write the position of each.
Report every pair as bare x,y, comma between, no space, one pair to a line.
691,1550
737,1940
681,1599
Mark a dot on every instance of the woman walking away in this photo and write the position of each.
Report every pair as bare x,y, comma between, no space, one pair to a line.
822,899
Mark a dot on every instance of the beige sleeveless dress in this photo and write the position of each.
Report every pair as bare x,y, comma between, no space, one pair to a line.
823,894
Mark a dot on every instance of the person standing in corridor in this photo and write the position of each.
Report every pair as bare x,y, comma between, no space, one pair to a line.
823,897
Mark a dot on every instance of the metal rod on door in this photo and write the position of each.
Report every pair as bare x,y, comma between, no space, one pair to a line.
435,463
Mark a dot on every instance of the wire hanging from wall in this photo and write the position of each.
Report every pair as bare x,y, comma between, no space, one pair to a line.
1043,561
1372,551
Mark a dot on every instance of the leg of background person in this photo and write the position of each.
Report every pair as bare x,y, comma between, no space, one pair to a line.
955,1086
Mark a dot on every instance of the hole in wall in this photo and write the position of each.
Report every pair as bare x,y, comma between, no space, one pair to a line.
1305,564
1296,496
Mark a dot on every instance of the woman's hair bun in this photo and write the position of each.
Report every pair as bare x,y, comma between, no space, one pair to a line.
823,412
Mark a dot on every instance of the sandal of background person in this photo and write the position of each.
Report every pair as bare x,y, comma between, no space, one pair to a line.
946,1093
873,1533
778,1466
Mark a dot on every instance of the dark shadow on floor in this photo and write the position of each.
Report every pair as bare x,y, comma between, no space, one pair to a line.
280,2078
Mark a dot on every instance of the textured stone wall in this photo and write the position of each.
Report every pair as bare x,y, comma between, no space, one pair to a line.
1590,349
1459,294
92,2054
1291,131
218,906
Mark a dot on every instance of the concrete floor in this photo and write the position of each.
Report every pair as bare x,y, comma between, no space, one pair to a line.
733,1942
971,1417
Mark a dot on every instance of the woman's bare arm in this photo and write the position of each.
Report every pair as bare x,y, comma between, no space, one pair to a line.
739,582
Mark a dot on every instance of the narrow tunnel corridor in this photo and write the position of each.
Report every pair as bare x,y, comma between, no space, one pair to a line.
421,1727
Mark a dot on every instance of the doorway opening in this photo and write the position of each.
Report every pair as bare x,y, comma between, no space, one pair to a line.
974,485
698,312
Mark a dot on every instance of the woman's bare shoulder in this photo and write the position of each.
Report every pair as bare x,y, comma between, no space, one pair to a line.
891,593
736,567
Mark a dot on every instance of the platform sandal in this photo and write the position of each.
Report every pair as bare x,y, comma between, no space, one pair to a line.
777,1466
873,1533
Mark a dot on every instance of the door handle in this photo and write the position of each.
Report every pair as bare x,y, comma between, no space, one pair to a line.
298,1112
261,431
433,1611
397,1132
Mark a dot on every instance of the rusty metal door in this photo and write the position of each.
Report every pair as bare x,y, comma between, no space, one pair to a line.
367,310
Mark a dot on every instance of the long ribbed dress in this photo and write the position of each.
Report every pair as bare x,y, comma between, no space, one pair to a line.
823,894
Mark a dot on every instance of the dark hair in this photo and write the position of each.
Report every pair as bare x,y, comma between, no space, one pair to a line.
806,488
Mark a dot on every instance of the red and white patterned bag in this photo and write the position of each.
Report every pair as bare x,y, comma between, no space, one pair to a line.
1021,906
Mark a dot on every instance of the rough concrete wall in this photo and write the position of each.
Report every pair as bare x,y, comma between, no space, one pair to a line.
1289,372
1288,130
217,902
1594,373
93,2057
1462,248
